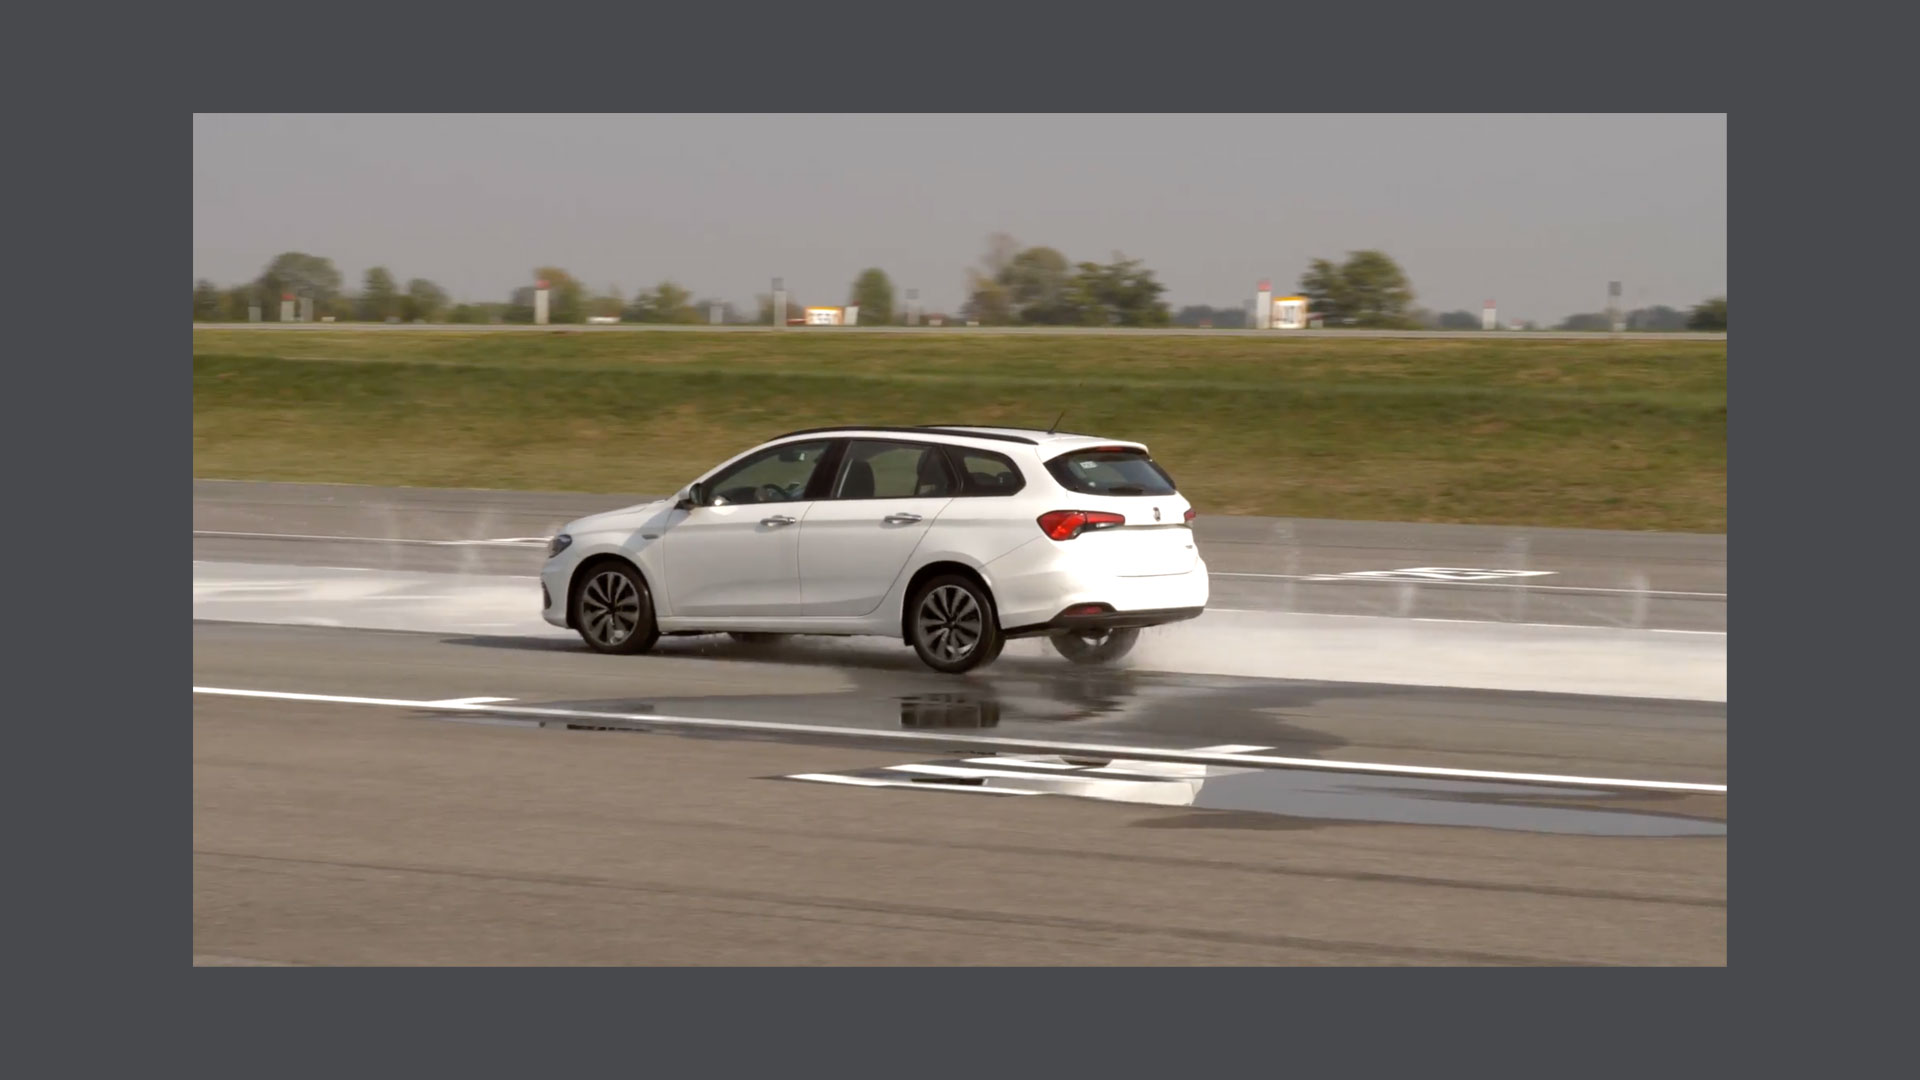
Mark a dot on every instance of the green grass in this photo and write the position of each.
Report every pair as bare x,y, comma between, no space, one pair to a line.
1627,435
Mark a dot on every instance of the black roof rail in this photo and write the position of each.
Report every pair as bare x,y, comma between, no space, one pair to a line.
923,430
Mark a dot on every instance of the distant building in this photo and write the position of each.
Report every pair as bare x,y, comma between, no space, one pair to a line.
831,316
1290,313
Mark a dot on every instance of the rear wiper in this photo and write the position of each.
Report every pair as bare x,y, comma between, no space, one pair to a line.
1126,489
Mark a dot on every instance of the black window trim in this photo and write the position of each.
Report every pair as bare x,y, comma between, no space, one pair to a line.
955,479
829,464
967,488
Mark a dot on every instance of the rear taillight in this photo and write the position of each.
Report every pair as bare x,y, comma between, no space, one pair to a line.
1067,524
1190,515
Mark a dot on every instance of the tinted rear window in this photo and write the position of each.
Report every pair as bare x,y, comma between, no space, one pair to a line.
984,472
1111,472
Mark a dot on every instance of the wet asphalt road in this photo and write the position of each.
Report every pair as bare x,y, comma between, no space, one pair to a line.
340,834
330,833
1655,580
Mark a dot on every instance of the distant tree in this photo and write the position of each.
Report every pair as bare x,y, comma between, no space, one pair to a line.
379,298
1369,290
566,298
423,300
1326,291
1587,322
1458,320
206,301
1120,293
607,302
667,303
1217,318
794,308
1378,293
478,313
987,301
704,306
236,303
301,274
1037,281
1709,315
873,293
1659,317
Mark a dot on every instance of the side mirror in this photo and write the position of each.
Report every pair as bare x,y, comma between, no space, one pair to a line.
695,496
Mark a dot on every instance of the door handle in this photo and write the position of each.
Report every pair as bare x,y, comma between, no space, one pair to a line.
777,519
901,519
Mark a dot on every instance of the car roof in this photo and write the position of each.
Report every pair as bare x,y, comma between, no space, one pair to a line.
1036,437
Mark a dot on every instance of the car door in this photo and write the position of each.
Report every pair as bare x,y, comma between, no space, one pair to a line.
739,554
855,543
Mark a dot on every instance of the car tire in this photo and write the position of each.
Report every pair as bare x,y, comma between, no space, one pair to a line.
952,625
747,638
613,610
1086,647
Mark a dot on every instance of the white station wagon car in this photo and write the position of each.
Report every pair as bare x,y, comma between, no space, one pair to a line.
951,538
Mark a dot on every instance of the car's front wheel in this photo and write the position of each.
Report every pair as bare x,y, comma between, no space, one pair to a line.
952,626
613,611
1095,646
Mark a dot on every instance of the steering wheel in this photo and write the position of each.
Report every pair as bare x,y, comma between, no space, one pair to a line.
780,494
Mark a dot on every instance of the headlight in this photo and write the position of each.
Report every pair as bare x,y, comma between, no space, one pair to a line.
558,544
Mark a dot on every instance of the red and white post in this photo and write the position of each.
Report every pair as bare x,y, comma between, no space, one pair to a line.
1489,319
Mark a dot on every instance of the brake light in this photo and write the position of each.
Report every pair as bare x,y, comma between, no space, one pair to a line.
1067,524
1191,514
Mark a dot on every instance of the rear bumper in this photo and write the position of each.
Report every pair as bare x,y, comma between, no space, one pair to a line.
1036,586
1108,620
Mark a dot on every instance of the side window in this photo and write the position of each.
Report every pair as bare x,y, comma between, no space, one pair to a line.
877,469
777,474
984,472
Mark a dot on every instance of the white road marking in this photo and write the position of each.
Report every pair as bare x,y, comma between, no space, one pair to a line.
861,781
453,702
1024,762
1470,622
1431,573
975,773
1073,749
1324,579
1230,748
505,541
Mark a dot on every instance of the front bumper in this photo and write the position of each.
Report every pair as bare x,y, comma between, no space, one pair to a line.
554,580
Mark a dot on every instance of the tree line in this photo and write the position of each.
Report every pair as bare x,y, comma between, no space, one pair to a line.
1039,286
1011,286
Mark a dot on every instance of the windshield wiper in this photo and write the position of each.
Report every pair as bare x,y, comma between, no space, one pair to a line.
1126,489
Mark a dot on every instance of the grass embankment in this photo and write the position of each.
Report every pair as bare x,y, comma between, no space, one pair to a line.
1621,435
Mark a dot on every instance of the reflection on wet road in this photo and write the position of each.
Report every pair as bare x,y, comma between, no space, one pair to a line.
1193,712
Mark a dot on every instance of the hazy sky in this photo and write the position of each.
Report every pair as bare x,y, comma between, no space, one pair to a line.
1537,212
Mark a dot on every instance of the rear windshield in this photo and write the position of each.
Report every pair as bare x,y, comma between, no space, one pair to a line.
1110,472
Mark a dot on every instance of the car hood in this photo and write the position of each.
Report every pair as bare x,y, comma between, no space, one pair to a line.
627,517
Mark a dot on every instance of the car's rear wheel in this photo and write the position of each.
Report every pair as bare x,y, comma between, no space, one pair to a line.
1095,646
613,611
952,624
